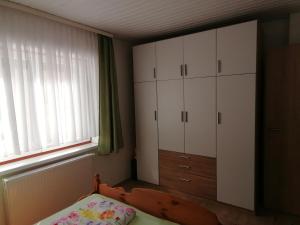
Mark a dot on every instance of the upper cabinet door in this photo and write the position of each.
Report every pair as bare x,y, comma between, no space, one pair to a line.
236,49
200,107
144,62
200,54
169,59
170,115
146,131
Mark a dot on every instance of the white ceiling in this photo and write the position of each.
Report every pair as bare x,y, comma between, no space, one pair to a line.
140,19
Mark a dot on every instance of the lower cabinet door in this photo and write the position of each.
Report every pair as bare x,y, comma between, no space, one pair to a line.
236,140
170,115
146,131
200,107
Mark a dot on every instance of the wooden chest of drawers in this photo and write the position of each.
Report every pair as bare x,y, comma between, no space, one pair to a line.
188,173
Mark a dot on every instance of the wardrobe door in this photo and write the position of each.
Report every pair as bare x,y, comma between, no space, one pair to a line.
236,140
236,49
200,107
200,54
169,59
146,131
170,115
282,129
144,62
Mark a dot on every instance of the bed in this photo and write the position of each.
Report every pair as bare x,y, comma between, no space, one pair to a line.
151,207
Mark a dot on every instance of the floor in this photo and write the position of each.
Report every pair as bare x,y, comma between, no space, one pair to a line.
227,215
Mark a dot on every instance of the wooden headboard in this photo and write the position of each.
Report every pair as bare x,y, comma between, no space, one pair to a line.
160,204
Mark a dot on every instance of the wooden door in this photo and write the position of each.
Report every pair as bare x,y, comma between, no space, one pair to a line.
146,131
200,106
144,62
236,49
169,59
170,115
282,130
236,140
200,54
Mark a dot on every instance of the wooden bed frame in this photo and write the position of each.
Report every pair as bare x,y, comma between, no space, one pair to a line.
159,204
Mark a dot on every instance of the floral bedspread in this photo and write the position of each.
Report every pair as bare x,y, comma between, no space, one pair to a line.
98,212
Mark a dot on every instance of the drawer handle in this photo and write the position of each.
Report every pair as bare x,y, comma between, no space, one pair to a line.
184,179
184,166
184,157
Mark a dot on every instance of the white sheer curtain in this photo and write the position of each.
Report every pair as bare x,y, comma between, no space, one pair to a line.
48,84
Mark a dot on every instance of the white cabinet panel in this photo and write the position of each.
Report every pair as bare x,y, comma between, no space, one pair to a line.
169,58
144,62
200,105
170,106
200,54
146,131
236,140
236,48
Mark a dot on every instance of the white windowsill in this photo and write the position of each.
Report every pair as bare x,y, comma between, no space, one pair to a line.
45,159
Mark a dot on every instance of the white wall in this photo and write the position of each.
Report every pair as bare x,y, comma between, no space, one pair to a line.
294,28
115,168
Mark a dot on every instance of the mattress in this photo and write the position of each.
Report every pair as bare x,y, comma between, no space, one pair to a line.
141,218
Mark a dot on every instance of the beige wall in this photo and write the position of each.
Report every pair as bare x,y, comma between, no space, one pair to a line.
2,221
294,28
275,33
115,167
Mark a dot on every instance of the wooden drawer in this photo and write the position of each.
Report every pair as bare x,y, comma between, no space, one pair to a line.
192,164
188,173
188,183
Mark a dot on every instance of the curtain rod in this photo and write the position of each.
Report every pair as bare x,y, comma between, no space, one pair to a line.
49,16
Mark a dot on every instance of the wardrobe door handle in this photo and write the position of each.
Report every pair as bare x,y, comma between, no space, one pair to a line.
185,69
154,73
182,116
155,115
186,116
181,70
219,66
274,129
219,118
184,179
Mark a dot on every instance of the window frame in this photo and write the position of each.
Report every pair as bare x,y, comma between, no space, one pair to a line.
45,152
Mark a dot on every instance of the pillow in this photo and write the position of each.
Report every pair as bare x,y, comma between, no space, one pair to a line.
98,212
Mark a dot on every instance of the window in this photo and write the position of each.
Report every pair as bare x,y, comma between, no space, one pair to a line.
48,84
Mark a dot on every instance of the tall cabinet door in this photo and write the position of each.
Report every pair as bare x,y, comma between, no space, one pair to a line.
170,115
200,54
144,62
200,106
236,140
236,49
169,58
146,131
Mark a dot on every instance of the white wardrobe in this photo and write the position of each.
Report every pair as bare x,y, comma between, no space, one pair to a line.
195,113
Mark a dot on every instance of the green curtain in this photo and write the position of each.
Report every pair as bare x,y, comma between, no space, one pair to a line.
110,137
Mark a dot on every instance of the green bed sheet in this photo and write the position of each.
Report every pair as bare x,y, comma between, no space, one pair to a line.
141,218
